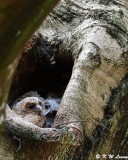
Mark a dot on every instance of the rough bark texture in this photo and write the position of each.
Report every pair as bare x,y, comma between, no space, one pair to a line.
18,20
95,34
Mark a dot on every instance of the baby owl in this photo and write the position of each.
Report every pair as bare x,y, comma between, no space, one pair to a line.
31,108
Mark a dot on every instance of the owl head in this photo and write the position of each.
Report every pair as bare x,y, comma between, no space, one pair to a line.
46,107
30,105
50,105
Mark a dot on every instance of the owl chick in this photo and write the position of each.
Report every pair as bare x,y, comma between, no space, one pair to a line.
51,106
31,109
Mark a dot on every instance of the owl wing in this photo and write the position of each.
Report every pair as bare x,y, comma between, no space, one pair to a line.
38,120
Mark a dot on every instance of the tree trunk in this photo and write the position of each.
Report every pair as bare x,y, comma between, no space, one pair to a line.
92,118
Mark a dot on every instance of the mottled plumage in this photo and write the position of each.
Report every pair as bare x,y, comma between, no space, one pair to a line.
36,109
31,109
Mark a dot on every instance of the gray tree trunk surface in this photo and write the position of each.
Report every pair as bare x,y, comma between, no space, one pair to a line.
92,119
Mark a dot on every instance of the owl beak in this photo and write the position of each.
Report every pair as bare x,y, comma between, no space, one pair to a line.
39,109
46,112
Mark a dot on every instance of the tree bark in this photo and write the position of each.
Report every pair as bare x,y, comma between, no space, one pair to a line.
92,118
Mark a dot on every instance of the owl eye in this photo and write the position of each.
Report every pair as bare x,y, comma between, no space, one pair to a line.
31,106
47,106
